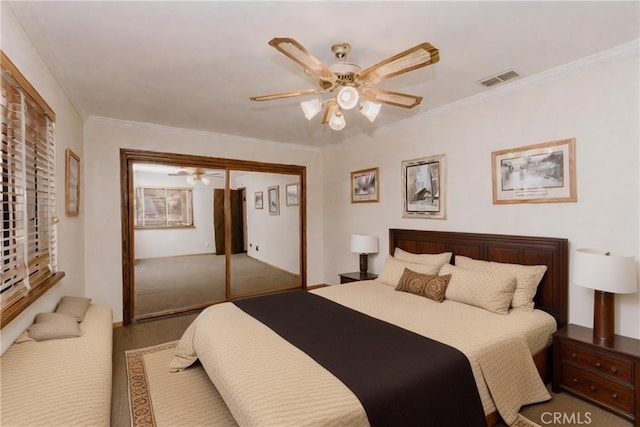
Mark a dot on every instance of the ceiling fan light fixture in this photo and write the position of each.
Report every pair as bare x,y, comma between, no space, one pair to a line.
370,110
205,180
311,108
347,97
191,179
337,121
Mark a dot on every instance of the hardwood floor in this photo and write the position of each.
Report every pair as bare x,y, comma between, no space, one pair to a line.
139,335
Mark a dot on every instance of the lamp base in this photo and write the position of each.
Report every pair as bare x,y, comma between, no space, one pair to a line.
364,263
603,318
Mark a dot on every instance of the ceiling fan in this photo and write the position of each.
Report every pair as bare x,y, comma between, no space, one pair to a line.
349,83
196,174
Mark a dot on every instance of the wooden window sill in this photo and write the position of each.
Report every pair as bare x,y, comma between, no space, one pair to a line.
19,306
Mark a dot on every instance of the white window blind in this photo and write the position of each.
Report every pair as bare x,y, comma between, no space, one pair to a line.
163,207
28,240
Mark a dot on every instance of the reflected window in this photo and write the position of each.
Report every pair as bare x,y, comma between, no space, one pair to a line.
163,207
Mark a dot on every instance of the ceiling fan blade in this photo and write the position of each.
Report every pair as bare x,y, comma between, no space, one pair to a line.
297,53
286,95
417,57
384,96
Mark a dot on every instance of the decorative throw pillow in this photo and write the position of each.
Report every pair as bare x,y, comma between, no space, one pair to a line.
393,269
489,290
74,306
426,259
527,278
425,285
52,326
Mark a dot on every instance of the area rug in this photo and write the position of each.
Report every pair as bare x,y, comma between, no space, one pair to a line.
159,398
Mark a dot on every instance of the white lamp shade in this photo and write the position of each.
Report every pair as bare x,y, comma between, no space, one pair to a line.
604,271
311,108
347,97
204,180
370,110
191,179
364,244
337,121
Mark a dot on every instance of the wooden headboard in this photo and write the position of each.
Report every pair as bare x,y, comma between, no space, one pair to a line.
552,252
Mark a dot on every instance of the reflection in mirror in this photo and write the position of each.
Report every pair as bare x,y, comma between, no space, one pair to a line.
176,266
265,233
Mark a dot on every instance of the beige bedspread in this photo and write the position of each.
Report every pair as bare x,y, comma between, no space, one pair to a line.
266,381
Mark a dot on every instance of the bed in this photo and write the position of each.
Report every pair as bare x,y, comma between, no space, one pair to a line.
265,380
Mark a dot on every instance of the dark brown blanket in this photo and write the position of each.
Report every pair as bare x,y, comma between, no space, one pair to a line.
401,378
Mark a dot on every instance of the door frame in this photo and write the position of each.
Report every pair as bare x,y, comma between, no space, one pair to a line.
128,157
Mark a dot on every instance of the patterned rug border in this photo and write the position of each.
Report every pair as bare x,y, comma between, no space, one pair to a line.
140,407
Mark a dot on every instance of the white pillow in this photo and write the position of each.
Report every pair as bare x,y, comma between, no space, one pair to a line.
393,269
426,259
492,291
53,326
527,277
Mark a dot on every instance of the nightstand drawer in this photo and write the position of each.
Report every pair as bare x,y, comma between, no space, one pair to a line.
597,388
594,361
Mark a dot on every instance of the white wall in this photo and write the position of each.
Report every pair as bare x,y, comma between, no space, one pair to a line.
599,106
103,140
18,47
272,239
200,239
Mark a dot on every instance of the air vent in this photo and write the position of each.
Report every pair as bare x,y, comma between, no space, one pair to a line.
499,78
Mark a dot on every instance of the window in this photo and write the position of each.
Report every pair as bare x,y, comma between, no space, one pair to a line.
163,207
28,240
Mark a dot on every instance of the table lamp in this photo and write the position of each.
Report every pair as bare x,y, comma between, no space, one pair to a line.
607,274
364,244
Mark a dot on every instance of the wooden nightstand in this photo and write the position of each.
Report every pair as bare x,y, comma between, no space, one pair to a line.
356,276
607,375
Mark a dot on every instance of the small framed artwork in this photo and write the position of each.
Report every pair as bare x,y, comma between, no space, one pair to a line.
257,197
274,200
540,173
364,185
72,183
293,198
423,187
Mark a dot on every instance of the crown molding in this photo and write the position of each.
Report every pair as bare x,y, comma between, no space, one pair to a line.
622,51
153,127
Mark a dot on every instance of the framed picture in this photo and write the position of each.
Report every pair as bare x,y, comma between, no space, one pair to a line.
72,183
423,187
292,194
274,200
257,197
540,173
364,185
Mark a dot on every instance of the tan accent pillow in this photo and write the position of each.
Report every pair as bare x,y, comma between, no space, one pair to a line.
426,259
489,290
528,278
393,269
74,306
425,285
52,326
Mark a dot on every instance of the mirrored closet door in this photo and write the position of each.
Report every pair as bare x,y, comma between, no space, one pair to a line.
200,230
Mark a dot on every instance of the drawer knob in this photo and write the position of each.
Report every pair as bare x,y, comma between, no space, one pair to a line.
574,355
614,369
615,395
593,388
575,380
598,365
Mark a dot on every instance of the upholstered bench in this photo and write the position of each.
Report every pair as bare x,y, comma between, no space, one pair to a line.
60,382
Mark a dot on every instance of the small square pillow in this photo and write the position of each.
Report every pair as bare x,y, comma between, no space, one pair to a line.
489,290
52,326
426,259
393,269
74,306
425,285
527,278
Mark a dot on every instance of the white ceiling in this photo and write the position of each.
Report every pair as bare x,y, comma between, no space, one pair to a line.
195,64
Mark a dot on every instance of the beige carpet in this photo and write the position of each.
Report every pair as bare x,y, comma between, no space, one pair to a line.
159,398
173,283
